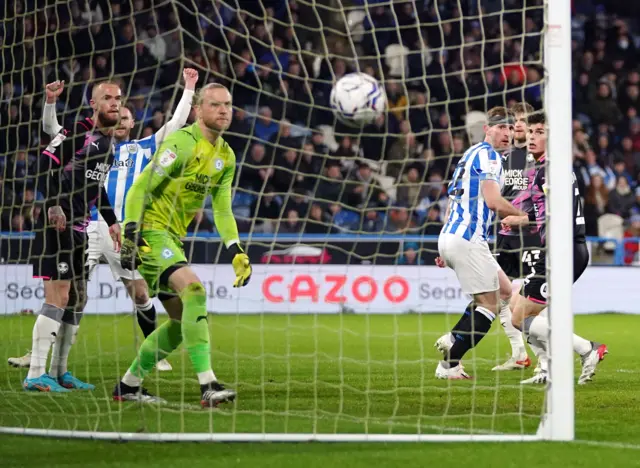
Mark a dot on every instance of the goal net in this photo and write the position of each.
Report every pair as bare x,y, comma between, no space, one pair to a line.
333,337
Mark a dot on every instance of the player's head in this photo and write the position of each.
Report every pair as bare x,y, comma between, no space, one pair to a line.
123,129
537,130
213,107
499,128
521,111
105,102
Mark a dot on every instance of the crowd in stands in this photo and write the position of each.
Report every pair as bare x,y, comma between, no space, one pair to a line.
299,170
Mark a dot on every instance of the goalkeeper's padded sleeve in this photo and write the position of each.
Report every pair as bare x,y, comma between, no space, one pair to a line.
222,213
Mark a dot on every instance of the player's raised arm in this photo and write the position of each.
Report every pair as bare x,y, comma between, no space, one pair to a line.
183,108
50,123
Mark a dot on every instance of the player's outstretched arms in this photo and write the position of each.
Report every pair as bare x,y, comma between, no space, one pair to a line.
496,202
50,124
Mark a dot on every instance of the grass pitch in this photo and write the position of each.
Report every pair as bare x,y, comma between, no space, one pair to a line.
320,374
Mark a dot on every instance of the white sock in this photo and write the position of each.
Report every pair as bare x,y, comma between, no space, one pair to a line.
518,349
206,377
44,334
131,380
146,306
60,353
581,346
539,329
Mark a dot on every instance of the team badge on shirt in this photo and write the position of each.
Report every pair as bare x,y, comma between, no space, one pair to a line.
218,164
167,158
132,148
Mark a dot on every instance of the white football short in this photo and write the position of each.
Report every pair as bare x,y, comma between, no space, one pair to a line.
101,246
475,267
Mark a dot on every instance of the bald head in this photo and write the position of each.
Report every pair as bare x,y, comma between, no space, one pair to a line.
105,102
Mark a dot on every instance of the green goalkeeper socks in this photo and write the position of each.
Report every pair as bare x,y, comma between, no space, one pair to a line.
195,328
158,345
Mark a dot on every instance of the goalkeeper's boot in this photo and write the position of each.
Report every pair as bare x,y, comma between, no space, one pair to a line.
44,383
539,379
23,361
590,361
163,366
451,373
123,392
215,393
67,380
514,363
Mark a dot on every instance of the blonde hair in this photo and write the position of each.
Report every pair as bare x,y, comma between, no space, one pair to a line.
199,96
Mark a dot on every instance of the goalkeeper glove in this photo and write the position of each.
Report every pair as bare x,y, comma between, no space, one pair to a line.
241,266
132,245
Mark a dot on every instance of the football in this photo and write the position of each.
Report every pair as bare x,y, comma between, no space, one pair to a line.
357,99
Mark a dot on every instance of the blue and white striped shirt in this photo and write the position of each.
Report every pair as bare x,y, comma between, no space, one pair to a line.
469,215
131,157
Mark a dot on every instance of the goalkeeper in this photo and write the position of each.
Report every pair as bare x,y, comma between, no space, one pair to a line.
190,164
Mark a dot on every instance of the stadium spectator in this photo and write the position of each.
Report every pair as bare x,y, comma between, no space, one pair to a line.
291,224
411,190
373,221
596,203
256,171
621,199
265,210
410,255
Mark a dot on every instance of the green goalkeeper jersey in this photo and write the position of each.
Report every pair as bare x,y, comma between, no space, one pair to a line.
173,187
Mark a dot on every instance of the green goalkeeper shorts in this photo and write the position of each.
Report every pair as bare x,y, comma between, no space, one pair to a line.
166,251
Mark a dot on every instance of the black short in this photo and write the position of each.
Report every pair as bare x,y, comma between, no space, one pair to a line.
59,255
535,285
516,256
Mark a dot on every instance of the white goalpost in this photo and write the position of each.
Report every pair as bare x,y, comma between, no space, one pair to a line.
560,421
332,340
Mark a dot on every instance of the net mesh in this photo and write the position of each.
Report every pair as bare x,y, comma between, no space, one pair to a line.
336,220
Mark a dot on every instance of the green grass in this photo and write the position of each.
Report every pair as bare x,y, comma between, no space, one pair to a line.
321,374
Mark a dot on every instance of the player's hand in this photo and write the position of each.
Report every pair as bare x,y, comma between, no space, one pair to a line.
132,245
440,262
514,221
190,76
53,90
115,233
57,218
241,266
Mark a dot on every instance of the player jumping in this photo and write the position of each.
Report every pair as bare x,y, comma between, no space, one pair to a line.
474,198
71,174
131,157
191,164
529,314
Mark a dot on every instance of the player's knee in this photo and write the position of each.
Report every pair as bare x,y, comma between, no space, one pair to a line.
516,320
195,289
140,292
59,296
